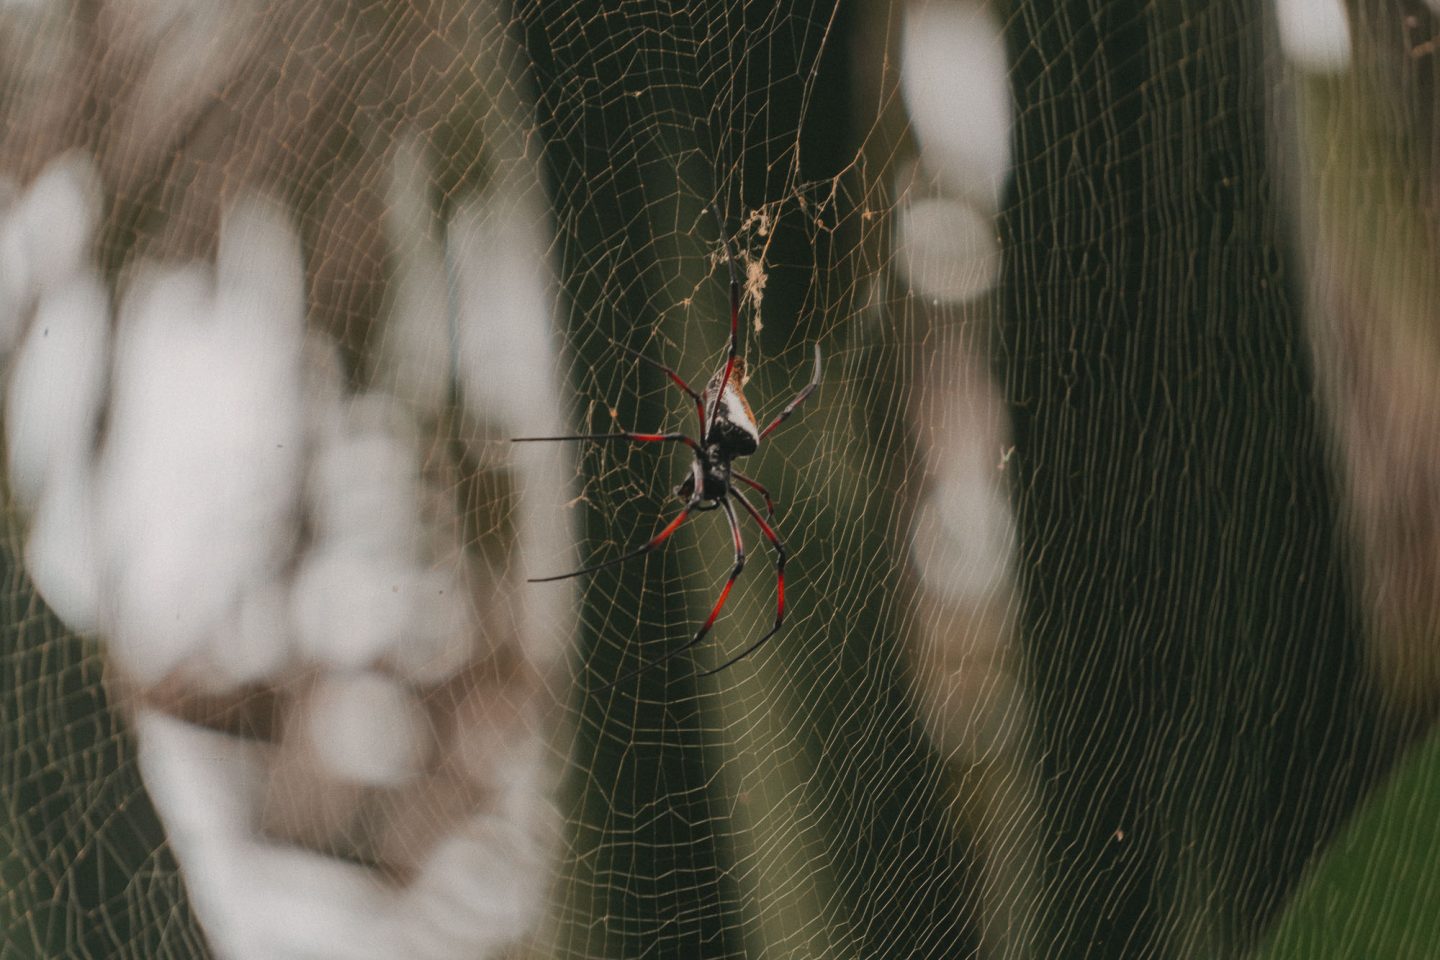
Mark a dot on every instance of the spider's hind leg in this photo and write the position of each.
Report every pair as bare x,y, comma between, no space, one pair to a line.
735,572
780,554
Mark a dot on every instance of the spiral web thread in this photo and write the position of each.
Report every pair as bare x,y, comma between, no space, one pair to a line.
1070,664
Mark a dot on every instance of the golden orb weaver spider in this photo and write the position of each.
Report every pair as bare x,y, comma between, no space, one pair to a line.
727,433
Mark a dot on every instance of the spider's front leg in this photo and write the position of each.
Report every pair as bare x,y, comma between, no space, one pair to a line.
632,437
675,378
800,398
644,548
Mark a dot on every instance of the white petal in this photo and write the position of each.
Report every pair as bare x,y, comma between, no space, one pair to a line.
256,900
947,250
364,493
955,80
255,643
414,356
200,479
366,729
60,552
350,609
964,537
57,385
478,891
1314,34
507,363
442,632
56,218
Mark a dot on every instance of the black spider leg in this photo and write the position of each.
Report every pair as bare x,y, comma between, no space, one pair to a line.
676,378
755,485
633,437
775,542
714,612
734,319
799,398
644,548
658,538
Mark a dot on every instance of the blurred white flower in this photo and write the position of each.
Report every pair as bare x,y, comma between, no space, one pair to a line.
946,249
956,83
46,233
964,538
364,488
350,609
414,361
257,900
507,360
199,481
253,645
367,729
57,385
1314,34
254,542
61,553
508,367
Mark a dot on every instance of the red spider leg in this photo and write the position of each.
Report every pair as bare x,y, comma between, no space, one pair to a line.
769,532
679,382
714,612
644,548
634,437
769,504
799,398
734,319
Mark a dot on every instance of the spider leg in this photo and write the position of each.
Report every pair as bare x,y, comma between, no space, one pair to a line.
644,548
678,380
633,437
769,504
799,397
714,612
769,532
735,289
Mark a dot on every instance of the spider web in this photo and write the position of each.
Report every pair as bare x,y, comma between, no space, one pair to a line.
1108,595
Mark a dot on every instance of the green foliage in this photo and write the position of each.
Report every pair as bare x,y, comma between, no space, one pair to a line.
1375,892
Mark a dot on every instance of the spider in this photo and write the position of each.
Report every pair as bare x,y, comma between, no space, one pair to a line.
728,431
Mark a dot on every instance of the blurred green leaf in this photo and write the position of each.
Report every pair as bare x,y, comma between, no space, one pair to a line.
1376,891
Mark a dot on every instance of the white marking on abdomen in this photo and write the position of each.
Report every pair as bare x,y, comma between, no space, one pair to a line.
737,413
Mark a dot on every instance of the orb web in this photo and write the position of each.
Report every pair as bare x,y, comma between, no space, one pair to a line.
1106,597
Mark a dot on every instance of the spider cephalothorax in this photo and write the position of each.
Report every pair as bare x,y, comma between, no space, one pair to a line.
728,431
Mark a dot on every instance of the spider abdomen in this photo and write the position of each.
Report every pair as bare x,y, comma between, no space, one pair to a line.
732,427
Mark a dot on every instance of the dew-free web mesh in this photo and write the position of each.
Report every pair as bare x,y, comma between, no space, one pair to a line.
1126,740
